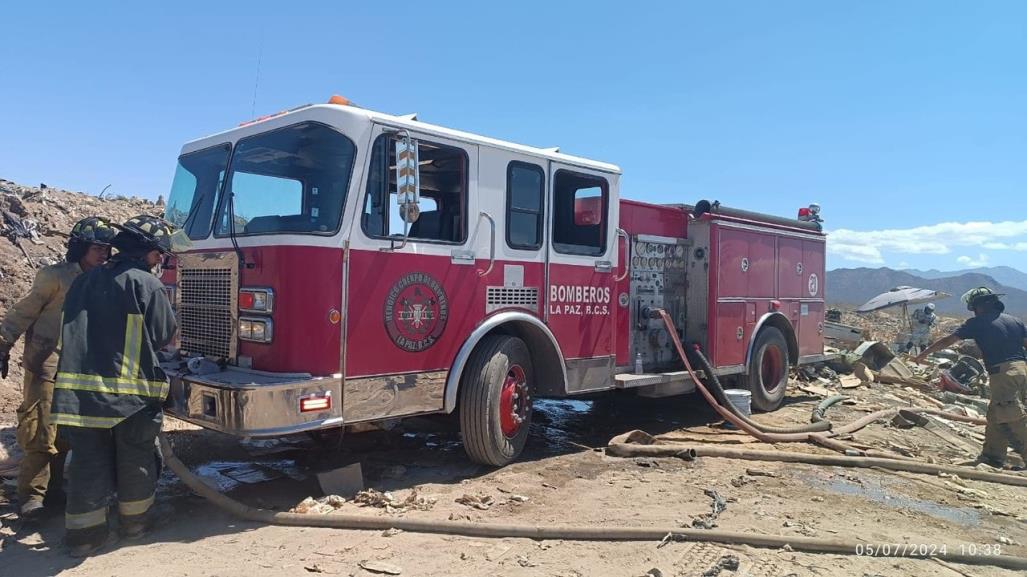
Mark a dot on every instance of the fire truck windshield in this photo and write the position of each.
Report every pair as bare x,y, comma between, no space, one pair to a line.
290,180
197,181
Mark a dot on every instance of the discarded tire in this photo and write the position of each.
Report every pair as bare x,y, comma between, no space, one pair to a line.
768,369
495,400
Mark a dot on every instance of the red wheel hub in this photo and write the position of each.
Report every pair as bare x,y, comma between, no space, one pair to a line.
771,368
514,402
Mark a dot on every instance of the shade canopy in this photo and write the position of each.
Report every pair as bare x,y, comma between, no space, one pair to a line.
903,295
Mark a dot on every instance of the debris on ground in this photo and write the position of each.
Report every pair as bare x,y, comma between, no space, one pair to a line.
389,502
227,475
876,377
708,520
524,561
322,506
348,480
381,567
728,562
366,498
801,528
480,502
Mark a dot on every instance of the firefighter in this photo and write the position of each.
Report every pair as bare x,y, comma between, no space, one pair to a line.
1002,339
922,320
37,316
110,388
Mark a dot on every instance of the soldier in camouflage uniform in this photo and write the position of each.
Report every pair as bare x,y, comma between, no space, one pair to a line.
37,317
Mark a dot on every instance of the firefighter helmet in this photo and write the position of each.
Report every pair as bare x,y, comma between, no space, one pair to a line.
973,296
152,232
93,230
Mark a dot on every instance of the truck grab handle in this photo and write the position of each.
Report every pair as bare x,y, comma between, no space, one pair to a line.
492,244
621,233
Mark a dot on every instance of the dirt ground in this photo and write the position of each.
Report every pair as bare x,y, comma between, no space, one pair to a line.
563,479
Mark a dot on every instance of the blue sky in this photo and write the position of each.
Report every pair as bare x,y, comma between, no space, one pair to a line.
906,120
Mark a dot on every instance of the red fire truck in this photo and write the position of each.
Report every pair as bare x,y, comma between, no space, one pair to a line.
349,266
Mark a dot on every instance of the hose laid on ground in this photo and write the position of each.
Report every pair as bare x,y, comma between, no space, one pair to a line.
714,382
889,413
639,450
818,412
574,533
745,424
752,428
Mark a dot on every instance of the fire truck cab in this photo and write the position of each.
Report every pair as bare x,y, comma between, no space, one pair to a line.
349,266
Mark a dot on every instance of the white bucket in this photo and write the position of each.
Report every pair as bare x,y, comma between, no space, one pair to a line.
741,400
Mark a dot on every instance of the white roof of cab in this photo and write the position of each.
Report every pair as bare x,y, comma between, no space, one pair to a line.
402,122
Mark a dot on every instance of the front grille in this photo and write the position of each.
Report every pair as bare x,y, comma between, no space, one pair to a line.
499,297
206,311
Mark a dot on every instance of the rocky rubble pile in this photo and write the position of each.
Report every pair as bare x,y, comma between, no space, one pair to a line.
890,327
872,377
34,226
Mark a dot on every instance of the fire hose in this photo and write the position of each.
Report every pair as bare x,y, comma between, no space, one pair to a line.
754,428
818,413
805,544
571,533
836,460
620,449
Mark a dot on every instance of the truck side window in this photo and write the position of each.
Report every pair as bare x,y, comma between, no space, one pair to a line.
525,187
580,206
443,173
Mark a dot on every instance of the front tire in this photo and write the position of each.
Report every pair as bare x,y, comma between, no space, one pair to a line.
769,367
495,400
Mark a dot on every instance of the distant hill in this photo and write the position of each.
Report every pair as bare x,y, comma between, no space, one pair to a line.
852,287
1005,275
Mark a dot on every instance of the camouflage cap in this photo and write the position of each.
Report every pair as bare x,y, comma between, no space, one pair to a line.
93,230
971,296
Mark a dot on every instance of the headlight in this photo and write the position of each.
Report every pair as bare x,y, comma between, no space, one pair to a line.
255,330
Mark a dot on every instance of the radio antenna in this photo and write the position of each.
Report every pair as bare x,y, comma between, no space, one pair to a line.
256,80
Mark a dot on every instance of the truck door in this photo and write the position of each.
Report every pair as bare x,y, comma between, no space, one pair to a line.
412,302
582,265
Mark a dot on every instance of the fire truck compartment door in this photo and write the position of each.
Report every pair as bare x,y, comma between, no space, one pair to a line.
581,267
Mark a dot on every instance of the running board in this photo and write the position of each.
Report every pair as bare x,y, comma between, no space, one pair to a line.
631,380
656,384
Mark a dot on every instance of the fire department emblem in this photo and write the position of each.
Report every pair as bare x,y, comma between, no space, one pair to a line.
416,311
814,285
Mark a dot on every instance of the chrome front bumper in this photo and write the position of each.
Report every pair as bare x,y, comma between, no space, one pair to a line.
252,403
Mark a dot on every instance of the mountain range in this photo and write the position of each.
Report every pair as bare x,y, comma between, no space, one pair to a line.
851,287
1007,276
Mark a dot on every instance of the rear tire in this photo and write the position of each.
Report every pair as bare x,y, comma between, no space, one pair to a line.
769,367
495,400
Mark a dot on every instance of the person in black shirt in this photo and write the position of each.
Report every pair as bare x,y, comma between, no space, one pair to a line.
1002,339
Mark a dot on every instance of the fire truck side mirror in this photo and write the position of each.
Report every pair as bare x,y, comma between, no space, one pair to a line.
408,179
